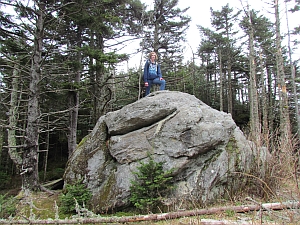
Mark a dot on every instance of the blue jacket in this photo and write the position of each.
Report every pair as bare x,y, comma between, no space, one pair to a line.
147,75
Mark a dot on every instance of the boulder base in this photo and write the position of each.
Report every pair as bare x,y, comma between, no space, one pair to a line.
203,146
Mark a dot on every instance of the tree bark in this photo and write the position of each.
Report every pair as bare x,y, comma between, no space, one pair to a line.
293,75
73,120
254,115
221,80
74,102
265,103
229,96
30,179
285,131
271,99
13,111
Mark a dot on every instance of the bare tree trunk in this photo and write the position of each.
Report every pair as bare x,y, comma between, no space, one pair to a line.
46,150
30,179
1,141
265,103
221,81
293,76
103,78
141,67
73,117
157,18
229,96
193,71
74,103
283,96
13,117
103,90
271,93
254,115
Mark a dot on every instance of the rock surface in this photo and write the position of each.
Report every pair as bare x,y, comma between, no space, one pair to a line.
203,146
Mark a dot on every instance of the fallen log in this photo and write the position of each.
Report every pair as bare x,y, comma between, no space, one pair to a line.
161,216
54,184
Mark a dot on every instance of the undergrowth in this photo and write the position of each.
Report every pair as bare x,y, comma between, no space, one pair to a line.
151,186
72,195
278,182
8,206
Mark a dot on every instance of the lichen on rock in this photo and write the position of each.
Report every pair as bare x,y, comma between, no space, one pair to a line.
203,146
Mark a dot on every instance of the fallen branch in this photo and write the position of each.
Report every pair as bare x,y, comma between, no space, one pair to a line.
162,216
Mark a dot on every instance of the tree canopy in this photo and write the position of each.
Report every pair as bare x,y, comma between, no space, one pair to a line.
59,71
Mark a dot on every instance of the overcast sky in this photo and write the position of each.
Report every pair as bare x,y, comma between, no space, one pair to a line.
200,14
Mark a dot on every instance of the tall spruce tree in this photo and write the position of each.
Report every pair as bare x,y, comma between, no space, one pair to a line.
263,56
165,32
223,21
93,32
57,36
210,51
17,40
255,125
28,166
285,128
295,8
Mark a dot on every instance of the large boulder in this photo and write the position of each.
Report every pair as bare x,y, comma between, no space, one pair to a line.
202,145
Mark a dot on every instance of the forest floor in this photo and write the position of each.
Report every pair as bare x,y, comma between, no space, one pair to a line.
41,206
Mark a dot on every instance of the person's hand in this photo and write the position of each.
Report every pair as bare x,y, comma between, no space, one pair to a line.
161,78
146,84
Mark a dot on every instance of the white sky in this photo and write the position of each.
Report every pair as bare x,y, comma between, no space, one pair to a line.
200,14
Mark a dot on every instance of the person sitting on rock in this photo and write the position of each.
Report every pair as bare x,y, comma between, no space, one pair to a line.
152,73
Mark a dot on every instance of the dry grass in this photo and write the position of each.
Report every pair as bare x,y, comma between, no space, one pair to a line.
41,206
279,183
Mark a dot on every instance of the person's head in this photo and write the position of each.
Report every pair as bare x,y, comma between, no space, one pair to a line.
153,56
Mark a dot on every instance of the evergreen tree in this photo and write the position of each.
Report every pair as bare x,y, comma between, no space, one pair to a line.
262,59
57,72
211,51
151,186
285,126
165,32
223,21
295,8
255,125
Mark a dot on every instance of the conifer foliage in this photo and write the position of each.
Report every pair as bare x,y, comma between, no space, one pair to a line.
72,194
151,186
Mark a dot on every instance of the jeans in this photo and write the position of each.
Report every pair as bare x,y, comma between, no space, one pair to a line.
162,84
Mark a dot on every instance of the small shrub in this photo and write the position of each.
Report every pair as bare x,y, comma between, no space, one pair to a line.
230,213
77,191
7,206
152,184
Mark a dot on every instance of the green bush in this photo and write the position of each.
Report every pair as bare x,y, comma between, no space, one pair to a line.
151,186
7,206
77,191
